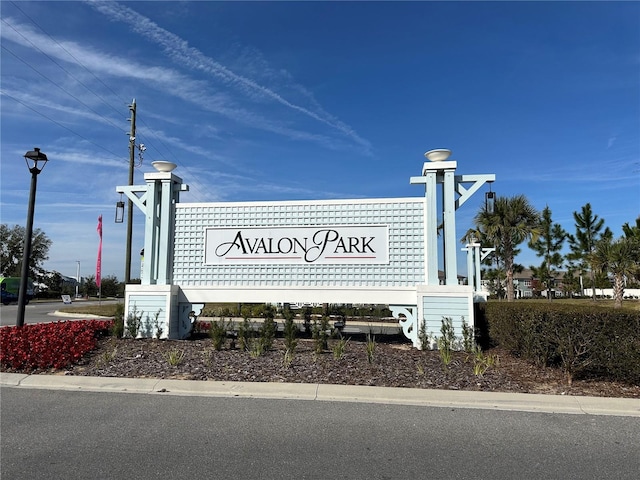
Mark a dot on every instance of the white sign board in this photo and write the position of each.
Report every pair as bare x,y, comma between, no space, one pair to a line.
307,245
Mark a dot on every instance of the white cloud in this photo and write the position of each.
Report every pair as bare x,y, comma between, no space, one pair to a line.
180,52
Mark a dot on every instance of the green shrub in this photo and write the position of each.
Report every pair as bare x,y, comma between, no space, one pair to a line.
307,320
320,332
290,330
245,334
583,340
218,333
424,338
117,330
446,341
468,341
152,327
134,322
268,332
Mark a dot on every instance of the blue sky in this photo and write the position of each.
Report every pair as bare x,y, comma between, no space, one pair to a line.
315,100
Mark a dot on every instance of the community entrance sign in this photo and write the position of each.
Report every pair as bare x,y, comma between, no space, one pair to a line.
360,251
335,244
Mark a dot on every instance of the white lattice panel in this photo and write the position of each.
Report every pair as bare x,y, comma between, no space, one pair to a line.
403,216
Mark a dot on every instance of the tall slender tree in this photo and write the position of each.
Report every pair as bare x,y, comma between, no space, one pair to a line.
583,243
548,246
512,221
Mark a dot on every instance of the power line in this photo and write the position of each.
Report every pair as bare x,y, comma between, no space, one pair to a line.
77,61
61,125
48,79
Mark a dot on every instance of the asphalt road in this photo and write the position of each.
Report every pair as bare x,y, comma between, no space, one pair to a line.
36,312
51,434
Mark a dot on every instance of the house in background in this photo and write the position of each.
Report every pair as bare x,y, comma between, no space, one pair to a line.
528,286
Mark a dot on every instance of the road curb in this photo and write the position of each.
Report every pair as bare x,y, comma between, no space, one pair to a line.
79,316
524,402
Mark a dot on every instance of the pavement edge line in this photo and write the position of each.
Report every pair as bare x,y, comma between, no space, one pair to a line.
525,402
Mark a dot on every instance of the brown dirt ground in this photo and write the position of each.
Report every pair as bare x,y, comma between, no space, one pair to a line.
395,364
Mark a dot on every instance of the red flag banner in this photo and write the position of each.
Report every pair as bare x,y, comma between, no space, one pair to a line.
99,261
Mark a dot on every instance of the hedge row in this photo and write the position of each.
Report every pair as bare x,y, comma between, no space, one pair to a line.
584,340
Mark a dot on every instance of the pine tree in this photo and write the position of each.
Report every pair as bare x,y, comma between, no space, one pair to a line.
583,243
548,246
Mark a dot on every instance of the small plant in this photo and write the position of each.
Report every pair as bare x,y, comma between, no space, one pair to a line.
446,354
290,330
153,327
320,332
245,334
157,327
371,347
482,362
134,322
218,333
268,330
420,369
340,347
423,337
207,358
175,357
446,341
307,320
468,341
256,347
117,330
287,359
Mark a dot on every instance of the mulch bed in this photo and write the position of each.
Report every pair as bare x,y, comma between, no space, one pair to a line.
394,364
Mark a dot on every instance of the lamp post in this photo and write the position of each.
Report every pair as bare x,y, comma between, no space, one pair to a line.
35,160
77,277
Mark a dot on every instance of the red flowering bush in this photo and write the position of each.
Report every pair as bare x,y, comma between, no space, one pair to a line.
46,345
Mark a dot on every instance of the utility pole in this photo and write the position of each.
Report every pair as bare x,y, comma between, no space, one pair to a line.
132,154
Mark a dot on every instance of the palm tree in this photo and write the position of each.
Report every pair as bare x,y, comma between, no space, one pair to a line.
632,233
615,257
512,221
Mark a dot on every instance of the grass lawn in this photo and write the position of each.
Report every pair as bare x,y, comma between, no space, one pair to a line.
109,308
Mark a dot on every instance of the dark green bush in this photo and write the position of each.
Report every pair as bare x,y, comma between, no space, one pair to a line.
117,330
218,333
290,330
268,328
584,340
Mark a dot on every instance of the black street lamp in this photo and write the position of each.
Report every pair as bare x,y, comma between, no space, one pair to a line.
35,160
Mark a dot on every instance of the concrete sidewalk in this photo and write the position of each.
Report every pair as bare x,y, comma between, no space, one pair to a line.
334,393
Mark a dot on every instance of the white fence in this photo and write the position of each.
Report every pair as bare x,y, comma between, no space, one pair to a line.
629,293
